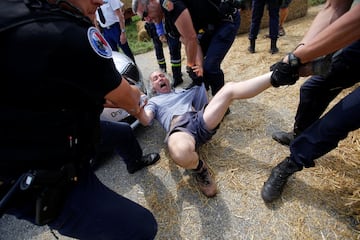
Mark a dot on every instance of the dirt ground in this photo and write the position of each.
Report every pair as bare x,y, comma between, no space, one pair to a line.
317,203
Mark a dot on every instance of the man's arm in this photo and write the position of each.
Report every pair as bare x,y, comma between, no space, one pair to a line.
128,97
189,37
333,28
125,96
160,31
145,117
119,13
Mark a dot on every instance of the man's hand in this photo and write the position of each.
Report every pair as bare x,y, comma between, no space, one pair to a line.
197,79
143,100
285,73
163,38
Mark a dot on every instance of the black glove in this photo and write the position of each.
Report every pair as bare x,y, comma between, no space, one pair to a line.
285,73
196,80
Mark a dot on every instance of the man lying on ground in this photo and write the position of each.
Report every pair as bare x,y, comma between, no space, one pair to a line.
191,120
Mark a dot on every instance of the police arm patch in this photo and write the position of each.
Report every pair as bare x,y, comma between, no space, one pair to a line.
98,43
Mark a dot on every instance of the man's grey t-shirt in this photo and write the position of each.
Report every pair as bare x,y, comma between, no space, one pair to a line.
167,105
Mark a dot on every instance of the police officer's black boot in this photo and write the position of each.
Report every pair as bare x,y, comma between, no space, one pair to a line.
273,47
285,138
251,48
177,75
274,186
146,160
162,67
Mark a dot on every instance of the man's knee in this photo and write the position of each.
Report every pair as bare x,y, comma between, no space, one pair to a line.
178,151
181,147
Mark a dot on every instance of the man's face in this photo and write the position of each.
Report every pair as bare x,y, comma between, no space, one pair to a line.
159,82
87,7
151,12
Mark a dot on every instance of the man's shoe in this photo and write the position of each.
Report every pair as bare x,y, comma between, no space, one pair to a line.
146,160
274,50
205,181
251,49
274,186
285,138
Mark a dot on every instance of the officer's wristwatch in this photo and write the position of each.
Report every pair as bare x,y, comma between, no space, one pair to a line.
123,30
294,61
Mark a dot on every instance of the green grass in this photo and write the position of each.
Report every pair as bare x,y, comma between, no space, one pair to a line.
136,46
139,47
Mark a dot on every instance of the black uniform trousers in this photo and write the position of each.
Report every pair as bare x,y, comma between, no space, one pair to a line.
319,135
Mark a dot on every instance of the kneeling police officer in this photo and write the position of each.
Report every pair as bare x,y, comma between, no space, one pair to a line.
49,121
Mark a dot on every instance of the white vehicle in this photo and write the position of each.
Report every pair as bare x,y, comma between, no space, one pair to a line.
132,74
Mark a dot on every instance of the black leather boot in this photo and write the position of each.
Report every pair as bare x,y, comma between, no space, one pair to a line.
145,161
285,138
274,186
177,76
162,67
273,47
251,48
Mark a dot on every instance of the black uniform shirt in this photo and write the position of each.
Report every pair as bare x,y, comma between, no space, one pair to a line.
203,12
54,76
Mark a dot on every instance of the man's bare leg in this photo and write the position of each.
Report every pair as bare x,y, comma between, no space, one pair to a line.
218,105
181,147
182,150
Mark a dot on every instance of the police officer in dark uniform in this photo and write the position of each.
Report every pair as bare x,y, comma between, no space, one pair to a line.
207,28
257,12
57,73
158,45
317,132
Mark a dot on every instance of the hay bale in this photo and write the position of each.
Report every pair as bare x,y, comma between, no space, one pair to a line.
127,3
140,25
142,34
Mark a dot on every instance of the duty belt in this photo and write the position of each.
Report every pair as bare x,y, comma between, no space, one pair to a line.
38,179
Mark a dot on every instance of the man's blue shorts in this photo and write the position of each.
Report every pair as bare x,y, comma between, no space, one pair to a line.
193,123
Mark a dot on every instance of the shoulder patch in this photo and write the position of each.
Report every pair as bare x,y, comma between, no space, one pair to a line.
98,43
168,5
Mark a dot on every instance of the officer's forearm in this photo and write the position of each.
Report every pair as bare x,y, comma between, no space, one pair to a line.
125,96
339,34
191,47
